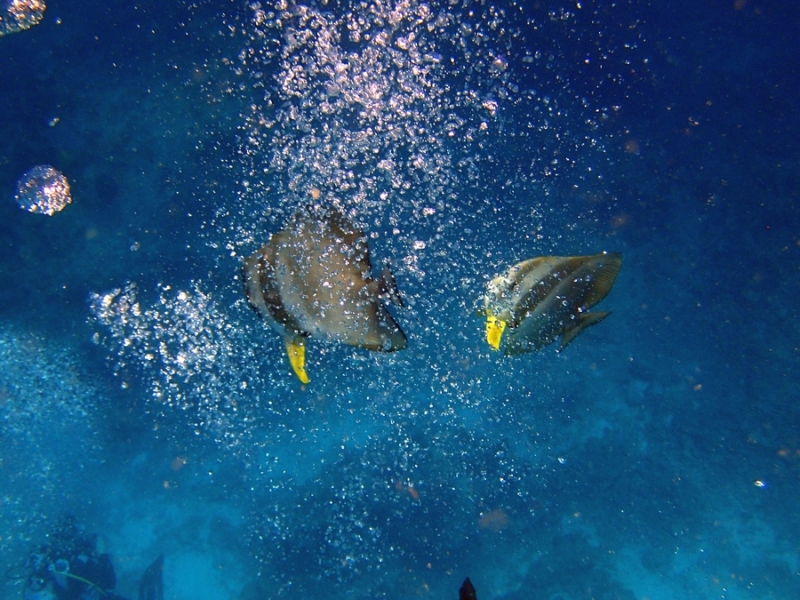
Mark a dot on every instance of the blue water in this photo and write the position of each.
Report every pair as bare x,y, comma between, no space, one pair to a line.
657,457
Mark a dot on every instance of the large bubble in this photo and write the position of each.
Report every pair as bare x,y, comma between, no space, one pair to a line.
19,15
44,190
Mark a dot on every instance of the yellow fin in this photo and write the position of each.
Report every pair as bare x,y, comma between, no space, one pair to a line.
297,357
494,330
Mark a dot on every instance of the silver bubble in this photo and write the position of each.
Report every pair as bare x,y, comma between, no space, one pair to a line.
19,15
43,189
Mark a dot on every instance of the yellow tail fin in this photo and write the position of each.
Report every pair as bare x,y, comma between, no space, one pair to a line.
296,350
494,330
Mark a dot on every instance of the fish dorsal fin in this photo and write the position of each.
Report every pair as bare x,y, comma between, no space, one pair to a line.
603,273
387,287
351,238
467,591
151,586
585,320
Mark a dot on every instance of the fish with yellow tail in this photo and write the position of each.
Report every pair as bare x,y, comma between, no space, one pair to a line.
543,298
313,279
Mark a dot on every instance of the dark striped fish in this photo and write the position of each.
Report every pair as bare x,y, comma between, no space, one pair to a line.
541,299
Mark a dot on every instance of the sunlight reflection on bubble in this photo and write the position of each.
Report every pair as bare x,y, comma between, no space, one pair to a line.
44,190
365,111
19,15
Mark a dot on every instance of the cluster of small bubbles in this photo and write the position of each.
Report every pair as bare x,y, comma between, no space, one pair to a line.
19,15
204,365
46,405
188,348
44,190
362,107
403,499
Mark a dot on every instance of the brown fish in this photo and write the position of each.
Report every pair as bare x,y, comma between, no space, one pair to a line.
540,299
314,279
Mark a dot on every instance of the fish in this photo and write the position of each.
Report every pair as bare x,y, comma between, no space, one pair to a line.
314,279
541,299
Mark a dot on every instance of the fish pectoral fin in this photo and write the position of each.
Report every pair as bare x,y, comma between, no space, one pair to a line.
494,330
296,351
585,320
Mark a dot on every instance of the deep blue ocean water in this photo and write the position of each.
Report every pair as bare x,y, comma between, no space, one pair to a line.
657,457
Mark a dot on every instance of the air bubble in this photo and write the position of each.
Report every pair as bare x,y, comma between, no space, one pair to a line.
19,15
44,190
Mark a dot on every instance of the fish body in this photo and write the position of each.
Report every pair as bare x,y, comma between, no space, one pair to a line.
314,279
544,298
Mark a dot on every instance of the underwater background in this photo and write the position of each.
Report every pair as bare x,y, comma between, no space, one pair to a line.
657,457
